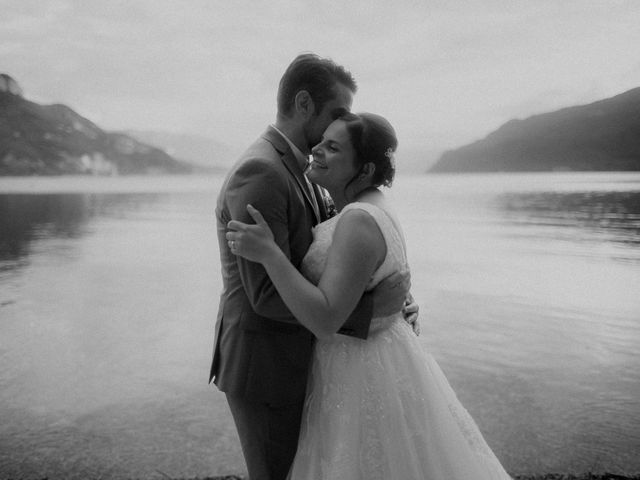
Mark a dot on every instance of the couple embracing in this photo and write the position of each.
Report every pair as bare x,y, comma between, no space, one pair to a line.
315,347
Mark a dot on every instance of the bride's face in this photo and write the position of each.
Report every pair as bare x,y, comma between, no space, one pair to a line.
333,164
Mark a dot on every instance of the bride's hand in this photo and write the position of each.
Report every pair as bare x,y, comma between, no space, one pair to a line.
253,242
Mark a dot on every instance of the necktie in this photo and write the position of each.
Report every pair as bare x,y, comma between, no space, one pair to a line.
314,200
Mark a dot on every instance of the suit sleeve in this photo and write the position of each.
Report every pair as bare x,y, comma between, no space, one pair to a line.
257,183
359,322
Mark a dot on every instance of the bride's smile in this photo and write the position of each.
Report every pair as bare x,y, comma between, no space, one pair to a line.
316,164
333,165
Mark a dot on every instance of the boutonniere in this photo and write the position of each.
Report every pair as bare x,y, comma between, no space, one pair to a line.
329,206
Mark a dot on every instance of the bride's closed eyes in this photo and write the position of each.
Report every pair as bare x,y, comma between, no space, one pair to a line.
333,147
329,144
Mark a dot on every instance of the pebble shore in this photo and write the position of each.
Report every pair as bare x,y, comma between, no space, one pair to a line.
548,476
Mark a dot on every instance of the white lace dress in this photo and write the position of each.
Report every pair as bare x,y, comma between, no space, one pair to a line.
381,408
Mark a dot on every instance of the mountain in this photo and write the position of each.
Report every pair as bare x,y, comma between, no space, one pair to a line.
410,160
196,149
54,140
604,135
218,156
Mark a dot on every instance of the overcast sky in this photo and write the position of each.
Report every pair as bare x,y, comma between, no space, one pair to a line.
444,72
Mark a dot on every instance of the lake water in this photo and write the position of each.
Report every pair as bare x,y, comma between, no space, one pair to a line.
529,287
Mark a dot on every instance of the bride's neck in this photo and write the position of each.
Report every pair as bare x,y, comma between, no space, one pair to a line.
341,200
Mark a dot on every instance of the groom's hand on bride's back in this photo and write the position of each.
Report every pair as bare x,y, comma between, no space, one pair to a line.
410,313
392,295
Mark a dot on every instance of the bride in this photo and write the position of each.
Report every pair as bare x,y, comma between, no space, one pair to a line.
379,408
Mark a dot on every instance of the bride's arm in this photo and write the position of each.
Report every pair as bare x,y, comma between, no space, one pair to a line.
358,248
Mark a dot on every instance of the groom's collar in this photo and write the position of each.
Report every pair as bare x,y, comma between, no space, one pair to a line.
302,159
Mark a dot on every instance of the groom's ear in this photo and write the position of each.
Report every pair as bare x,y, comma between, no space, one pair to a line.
304,103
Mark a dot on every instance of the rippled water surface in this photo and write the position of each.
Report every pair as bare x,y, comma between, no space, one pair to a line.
528,286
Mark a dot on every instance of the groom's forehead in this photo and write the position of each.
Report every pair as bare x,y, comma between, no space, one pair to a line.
343,97
338,112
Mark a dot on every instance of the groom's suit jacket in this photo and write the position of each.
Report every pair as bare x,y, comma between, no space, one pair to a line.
261,351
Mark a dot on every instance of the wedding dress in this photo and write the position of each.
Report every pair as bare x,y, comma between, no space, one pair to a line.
381,408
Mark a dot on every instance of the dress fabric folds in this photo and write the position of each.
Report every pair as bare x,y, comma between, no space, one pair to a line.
382,408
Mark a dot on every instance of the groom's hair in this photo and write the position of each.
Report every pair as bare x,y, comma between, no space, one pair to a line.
316,75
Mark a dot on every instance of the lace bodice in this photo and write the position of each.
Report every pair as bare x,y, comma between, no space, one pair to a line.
314,262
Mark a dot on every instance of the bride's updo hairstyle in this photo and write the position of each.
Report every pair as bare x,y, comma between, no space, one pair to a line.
374,141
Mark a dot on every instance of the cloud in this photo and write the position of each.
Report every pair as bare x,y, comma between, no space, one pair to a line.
444,73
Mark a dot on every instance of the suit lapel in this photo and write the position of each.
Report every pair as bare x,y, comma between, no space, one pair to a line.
291,162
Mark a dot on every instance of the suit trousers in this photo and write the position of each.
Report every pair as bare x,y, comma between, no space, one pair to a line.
268,435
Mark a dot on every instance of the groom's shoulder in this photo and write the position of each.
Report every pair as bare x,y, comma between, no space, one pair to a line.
264,153
259,161
260,155
266,148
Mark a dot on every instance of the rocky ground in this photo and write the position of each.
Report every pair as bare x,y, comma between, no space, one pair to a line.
548,476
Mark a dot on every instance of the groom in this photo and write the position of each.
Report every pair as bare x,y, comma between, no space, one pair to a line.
261,353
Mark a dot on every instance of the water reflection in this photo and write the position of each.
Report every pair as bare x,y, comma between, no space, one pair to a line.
614,215
25,218
114,291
